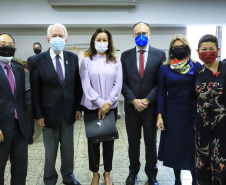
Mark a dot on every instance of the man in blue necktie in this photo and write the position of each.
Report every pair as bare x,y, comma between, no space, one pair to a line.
13,122
56,94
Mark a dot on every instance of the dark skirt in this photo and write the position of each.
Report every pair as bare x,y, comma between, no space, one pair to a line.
177,143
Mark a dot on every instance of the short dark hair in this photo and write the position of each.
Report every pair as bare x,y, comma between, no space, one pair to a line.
9,35
110,53
208,38
38,44
142,23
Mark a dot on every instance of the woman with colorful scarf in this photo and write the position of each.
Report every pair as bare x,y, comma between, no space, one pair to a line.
210,121
177,108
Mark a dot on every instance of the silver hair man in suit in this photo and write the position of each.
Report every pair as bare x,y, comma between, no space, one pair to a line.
56,94
140,72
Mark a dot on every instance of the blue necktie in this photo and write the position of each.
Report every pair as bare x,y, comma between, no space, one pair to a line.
59,70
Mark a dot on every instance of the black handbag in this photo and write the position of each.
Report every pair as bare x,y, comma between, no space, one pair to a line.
104,138
101,130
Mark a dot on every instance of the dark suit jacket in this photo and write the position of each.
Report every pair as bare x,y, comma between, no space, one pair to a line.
50,100
31,61
133,86
8,103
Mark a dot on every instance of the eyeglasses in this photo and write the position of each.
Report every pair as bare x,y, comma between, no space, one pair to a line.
182,46
141,33
37,48
6,44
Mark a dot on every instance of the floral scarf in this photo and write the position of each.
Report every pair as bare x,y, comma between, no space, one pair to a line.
184,66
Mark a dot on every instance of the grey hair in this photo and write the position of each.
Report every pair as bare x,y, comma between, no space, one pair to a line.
185,41
57,25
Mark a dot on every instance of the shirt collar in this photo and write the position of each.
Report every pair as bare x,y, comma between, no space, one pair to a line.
146,49
2,64
53,55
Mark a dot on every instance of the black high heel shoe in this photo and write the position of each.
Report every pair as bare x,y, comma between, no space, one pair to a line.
98,179
105,180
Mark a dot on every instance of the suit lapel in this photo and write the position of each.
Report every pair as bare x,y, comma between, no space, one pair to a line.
66,64
17,78
149,61
52,70
134,63
5,81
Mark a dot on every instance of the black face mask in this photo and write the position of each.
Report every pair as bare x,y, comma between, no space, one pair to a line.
7,51
179,52
37,51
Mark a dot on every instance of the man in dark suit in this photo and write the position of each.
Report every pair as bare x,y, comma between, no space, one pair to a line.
37,47
56,94
38,50
140,72
13,123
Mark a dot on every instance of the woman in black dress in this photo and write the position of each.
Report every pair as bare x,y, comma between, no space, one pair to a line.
210,122
177,107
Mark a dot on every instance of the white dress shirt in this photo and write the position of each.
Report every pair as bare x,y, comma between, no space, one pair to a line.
53,57
145,56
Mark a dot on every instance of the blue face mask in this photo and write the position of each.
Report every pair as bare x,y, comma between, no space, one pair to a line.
141,40
57,43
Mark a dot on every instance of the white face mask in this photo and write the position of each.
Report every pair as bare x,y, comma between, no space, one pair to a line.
57,44
6,59
101,47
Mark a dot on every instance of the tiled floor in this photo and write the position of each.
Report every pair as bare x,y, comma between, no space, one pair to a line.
83,175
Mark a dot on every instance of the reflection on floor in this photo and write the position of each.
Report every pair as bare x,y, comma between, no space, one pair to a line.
83,175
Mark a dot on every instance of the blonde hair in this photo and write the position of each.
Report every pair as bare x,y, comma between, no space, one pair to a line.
185,41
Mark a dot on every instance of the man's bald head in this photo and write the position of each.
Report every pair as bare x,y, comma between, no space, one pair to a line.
8,37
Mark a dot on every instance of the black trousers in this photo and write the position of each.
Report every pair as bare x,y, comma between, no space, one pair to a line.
17,147
94,149
134,122
31,121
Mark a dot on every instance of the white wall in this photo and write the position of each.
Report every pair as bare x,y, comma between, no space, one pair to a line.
156,12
